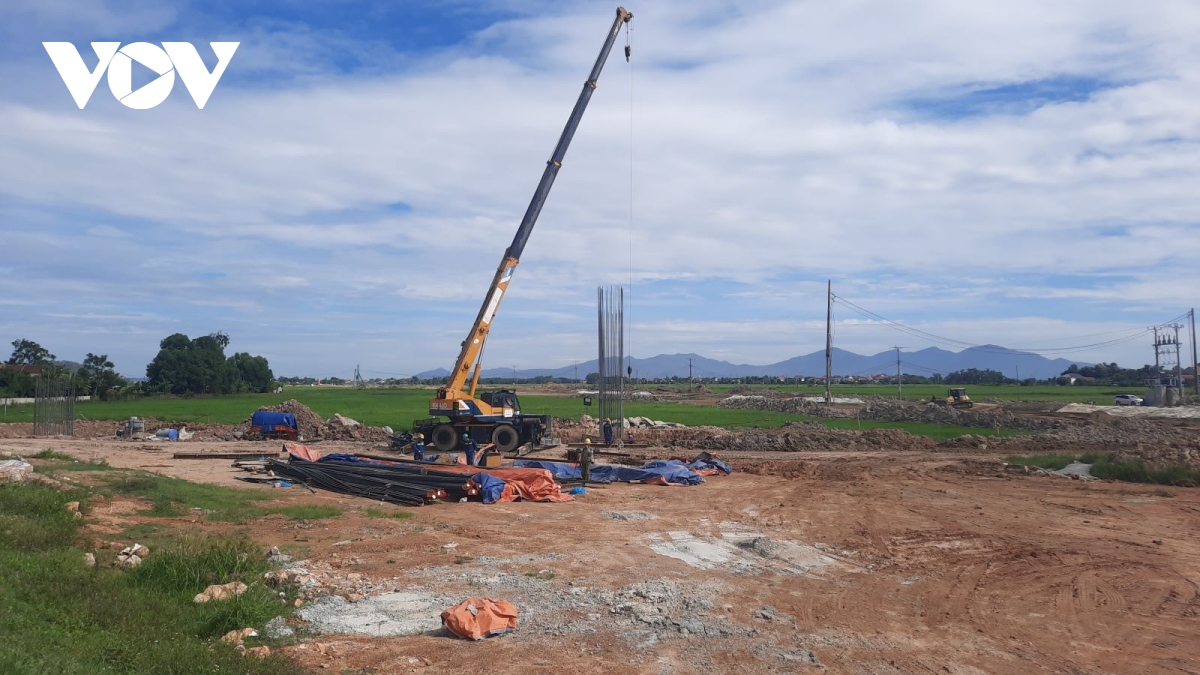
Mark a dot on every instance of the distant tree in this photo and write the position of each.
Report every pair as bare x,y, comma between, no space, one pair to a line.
97,377
592,378
199,366
29,353
252,373
16,384
976,376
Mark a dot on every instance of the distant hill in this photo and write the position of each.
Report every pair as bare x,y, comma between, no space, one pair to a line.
923,362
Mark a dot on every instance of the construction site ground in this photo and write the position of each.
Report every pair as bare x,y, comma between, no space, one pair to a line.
873,561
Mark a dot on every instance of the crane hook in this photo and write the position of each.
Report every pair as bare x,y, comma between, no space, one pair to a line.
628,39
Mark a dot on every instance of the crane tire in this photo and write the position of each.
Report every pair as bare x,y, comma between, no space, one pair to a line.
506,438
444,437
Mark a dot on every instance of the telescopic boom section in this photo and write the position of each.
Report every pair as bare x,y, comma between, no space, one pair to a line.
472,347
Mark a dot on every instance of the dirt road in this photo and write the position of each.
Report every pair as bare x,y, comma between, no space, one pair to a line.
864,562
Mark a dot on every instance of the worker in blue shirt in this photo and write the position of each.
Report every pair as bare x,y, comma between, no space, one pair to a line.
471,447
608,432
418,446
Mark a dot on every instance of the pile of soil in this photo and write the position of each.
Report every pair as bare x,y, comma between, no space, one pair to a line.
891,410
314,428
311,424
811,437
795,404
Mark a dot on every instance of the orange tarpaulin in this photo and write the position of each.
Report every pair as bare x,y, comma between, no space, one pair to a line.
476,618
302,451
535,485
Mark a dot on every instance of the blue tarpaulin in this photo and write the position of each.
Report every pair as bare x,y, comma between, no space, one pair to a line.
490,487
560,470
270,421
343,457
672,471
706,461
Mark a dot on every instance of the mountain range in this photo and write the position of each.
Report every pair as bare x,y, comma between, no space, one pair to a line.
1011,362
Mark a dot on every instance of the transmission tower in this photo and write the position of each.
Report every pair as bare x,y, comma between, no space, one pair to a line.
1166,356
358,381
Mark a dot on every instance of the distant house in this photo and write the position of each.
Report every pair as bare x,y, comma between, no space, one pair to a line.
1072,378
28,370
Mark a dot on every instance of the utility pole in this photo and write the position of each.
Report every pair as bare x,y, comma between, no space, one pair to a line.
576,371
828,341
899,376
1157,368
689,373
1178,363
1195,369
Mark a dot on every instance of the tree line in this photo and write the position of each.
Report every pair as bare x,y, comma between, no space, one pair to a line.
182,366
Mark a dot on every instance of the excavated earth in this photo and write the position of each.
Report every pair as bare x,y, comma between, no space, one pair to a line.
835,551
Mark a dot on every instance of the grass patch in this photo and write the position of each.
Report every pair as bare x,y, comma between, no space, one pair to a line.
1104,466
397,407
173,497
373,512
544,575
1053,462
63,617
307,512
72,464
48,453
1138,472
144,532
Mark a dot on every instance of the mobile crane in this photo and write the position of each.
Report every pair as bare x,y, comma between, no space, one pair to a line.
496,417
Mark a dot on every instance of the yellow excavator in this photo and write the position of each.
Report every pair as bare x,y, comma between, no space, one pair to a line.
496,417
955,398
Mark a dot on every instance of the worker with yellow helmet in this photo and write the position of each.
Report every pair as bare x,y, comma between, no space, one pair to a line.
418,446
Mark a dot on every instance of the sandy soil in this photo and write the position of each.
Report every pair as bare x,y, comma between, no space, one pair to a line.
864,562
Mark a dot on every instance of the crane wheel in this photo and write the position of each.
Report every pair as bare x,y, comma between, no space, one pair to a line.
506,438
444,437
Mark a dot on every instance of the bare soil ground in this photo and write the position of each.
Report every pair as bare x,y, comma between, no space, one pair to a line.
873,561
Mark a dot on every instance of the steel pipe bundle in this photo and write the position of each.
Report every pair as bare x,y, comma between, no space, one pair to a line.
398,484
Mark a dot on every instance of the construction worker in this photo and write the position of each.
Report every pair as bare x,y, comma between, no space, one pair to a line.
585,460
418,446
608,432
471,447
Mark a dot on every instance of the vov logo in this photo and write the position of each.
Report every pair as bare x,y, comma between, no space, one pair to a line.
171,58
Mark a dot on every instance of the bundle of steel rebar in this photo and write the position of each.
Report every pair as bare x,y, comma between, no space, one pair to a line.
385,482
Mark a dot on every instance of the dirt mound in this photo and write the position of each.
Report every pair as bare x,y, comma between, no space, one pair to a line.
795,404
315,428
812,437
891,410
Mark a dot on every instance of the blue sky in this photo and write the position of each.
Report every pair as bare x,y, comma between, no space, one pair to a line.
1015,173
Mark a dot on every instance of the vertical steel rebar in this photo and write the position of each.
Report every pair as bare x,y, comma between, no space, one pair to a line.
53,407
610,329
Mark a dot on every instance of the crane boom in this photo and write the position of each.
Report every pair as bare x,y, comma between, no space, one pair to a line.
472,347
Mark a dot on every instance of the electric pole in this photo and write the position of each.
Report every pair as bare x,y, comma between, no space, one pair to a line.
828,341
689,373
1178,363
1195,369
576,371
899,376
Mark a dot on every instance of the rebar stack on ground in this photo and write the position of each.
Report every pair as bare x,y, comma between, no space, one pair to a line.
409,485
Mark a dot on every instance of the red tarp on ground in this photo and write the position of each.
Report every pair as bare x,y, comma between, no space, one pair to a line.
302,451
535,485
476,618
